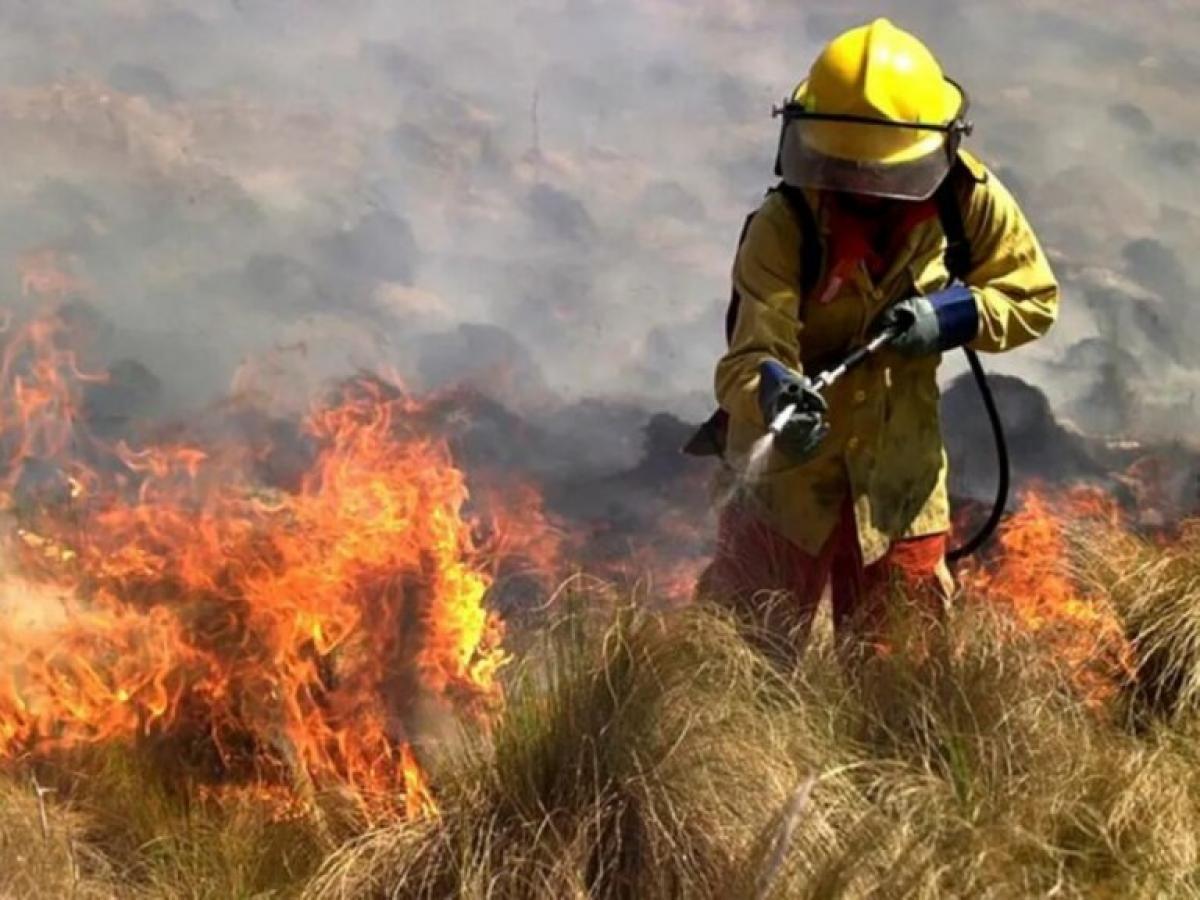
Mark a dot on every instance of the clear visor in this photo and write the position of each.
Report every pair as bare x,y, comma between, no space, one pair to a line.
862,158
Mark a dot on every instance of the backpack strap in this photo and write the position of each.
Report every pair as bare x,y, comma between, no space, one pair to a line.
735,299
811,251
812,254
950,197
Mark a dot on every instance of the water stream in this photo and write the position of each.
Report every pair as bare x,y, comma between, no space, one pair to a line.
756,459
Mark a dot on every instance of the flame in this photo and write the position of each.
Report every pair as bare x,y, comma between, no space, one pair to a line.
289,631
514,527
1031,578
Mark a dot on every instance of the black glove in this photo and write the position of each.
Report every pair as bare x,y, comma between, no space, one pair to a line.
933,324
779,389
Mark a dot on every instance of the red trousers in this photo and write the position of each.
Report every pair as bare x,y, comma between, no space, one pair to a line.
768,580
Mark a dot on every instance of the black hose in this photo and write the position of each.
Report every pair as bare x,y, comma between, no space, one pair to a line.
1002,465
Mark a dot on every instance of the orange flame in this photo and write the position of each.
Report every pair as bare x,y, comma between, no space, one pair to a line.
289,630
1031,578
514,526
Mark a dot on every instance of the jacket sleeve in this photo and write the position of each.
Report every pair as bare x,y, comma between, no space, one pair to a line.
766,276
1016,293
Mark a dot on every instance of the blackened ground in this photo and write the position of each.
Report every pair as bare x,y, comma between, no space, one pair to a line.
1040,448
1155,482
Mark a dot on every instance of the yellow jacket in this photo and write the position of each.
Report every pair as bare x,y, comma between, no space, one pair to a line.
885,444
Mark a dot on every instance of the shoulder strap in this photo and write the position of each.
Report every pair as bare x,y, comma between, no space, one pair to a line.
735,299
950,196
811,252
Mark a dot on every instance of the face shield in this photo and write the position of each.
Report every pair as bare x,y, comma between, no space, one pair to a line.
871,156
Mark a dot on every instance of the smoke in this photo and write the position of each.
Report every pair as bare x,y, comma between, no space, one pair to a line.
540,199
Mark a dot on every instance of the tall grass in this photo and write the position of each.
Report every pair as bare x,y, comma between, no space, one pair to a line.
660,755
41,854
1155,584
609,774
121,823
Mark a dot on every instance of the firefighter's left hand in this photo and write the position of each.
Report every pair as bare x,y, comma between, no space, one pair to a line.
933,324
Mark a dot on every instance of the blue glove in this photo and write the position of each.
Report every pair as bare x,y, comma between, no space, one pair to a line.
933,324
780,388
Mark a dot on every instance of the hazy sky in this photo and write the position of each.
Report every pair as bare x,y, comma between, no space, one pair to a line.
542,196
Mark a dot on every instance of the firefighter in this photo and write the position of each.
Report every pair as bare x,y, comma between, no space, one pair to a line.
856,238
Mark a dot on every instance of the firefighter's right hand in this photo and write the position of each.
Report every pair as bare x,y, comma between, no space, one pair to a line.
780,389
801,435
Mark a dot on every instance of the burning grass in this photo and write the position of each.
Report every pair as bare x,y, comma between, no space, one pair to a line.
646,754
278,635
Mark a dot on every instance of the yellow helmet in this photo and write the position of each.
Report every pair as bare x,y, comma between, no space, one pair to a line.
875,116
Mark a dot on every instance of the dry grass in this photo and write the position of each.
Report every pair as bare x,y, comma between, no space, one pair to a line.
665,759
1156,587
41,854
654,756
600,779
120,826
